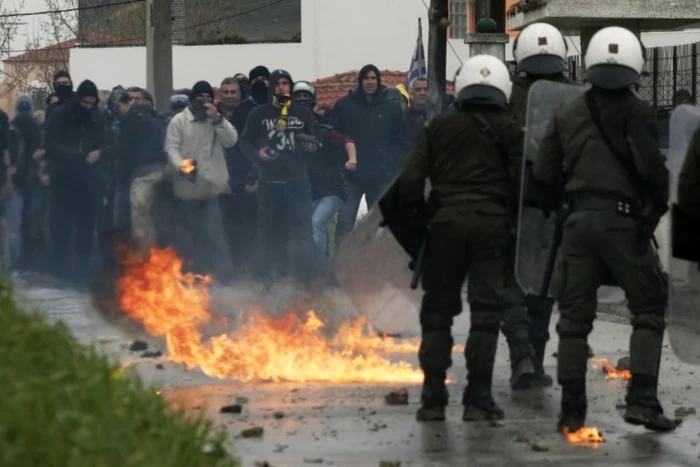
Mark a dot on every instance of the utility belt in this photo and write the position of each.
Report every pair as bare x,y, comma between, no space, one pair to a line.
588,202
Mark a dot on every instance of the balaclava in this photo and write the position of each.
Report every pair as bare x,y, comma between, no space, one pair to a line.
64,91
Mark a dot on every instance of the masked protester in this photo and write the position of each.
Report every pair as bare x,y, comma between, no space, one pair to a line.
257,95
270,140
325,176
75,134
375,123
24,139
63,88
196,142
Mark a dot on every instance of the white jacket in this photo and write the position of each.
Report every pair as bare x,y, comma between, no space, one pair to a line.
205,143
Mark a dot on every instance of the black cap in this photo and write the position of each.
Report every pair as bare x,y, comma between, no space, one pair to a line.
259,71
62,74
199,88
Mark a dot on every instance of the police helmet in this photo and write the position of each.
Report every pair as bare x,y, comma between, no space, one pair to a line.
540,49
305,86
483,79
615,58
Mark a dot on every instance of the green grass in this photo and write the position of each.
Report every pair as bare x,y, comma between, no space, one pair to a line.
63,404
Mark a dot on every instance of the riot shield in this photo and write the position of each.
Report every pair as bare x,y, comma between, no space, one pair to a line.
684,273
372,269
538,210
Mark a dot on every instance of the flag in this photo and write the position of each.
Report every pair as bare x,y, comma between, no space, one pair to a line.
419,67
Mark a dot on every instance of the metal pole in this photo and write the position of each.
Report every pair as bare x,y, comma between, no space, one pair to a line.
437,62
159,52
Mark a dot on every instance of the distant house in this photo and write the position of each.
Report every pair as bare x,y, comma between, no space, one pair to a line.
32,73
332,88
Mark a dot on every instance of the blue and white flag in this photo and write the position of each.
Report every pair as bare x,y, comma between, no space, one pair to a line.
419,67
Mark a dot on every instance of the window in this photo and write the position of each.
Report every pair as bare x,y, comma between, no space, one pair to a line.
458,19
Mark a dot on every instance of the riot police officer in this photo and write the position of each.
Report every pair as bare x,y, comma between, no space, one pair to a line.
616,187
472,157
540,53
689,181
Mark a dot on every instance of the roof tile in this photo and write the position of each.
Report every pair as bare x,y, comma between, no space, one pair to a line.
332,88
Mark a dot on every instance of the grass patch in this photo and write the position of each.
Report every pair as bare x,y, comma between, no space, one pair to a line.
64,404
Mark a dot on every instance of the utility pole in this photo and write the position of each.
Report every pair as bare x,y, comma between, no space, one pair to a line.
438,17
159,52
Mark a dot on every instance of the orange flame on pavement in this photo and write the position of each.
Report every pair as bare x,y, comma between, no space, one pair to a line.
610,371
188,166
586,434
175,305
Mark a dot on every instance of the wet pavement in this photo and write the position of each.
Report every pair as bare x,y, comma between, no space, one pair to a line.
351,425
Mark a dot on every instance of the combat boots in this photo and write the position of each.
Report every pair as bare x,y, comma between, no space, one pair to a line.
433,399
643,406
574,406
523,369
479,404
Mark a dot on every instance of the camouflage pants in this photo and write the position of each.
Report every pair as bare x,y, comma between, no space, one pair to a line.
465,240
143,195
597,244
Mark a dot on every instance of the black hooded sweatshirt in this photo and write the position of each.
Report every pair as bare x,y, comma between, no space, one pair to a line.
72,133
140,143
261,131
377,127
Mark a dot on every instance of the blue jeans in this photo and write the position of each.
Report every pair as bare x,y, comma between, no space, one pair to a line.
284,229
323,210
372,188
15,206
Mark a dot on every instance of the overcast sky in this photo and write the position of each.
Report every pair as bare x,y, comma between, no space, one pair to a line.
27,31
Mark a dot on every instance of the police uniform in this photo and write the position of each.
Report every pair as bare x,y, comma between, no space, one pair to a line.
473,180
540,53
689,181
602,235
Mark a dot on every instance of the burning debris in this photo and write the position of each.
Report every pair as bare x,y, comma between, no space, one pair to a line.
610,371
176,305
584,435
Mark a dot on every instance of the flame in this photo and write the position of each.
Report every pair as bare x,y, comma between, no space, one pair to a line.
586,434
175,305
188,166
610,371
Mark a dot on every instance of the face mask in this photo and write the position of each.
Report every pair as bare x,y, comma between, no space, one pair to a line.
64,91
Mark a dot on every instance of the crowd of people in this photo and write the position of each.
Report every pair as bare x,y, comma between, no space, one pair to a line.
243,180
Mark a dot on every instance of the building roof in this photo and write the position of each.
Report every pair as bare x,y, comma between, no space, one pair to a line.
332,88
52,53
530,5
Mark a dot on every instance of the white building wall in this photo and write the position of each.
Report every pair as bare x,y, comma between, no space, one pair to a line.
337,36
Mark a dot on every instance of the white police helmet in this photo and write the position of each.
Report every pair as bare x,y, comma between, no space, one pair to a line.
540,49
305,86
484,78
615,58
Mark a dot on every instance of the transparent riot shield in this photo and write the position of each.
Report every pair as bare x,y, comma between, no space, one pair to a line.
684,275
538,216
372,269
